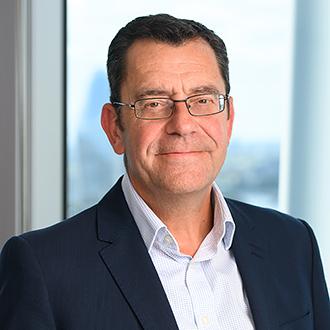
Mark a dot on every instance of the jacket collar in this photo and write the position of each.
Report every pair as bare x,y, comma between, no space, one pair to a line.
128,262
251,254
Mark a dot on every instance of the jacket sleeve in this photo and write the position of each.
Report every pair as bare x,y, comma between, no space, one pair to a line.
24,302
321,304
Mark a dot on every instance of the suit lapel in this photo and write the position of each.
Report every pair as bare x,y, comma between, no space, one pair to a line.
251,254
129,263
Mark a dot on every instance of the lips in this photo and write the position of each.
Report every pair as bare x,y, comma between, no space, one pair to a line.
182,147
178,152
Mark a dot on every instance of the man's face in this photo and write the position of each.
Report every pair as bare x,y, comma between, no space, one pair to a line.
177,155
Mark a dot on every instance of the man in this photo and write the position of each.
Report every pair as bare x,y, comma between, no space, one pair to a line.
163,249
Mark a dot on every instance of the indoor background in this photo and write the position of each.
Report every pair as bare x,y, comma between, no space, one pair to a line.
55,159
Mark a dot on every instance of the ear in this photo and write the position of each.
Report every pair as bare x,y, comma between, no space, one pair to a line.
231,116
109,122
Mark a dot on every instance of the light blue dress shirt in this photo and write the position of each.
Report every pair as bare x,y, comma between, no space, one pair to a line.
204,291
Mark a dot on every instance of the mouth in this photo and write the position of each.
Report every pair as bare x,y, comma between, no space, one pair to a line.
178,153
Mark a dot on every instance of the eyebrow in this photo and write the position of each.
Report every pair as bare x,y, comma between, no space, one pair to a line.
204,89
143,93
208,89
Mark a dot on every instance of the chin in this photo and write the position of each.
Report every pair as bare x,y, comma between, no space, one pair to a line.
185,184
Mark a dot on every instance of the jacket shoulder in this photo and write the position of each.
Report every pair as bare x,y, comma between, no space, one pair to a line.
268,222
76,226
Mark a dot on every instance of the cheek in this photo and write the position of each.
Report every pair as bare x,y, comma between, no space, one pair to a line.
223,136
218,132
141,141
148,133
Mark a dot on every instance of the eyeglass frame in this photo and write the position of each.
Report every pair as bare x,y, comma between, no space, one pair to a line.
133,107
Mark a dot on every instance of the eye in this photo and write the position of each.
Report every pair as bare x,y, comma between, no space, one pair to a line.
204,101
152,104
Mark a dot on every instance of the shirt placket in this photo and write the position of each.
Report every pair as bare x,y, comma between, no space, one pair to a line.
202,297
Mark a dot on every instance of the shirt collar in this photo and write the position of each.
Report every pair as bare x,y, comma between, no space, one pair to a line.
148,223
150,226
223,216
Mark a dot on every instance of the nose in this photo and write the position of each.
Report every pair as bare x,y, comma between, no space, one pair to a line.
181,122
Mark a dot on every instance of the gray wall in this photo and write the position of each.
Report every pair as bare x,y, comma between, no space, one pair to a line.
31,115
309,153
9,176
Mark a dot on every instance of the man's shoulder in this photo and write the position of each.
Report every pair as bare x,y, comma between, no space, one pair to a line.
283,236
83,231
55,247
266,220
82,226
62,237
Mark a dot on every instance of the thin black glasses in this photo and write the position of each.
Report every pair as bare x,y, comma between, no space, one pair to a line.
162,107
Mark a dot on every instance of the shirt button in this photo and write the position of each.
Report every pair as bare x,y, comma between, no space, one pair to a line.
205,320
193,265
168,239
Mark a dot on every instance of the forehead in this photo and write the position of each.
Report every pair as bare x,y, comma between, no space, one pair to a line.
162,66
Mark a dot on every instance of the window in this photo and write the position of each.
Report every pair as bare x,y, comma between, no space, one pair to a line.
258,36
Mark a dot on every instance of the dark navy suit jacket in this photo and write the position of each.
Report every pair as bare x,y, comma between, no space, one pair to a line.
93,271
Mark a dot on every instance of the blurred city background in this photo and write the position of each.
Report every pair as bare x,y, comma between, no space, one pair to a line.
56,160
259,41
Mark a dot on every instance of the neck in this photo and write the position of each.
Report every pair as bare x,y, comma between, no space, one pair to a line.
189,217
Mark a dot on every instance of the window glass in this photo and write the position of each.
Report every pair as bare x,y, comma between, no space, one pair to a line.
258,35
